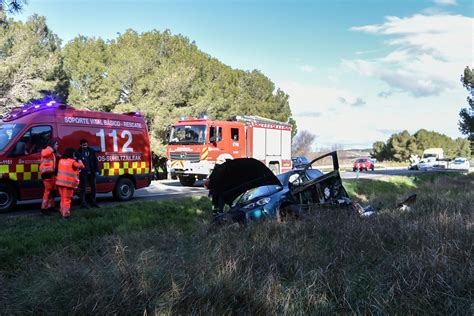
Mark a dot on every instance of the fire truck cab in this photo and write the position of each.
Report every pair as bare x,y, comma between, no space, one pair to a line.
196,145
121,143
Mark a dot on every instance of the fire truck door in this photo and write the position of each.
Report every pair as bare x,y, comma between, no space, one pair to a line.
237,136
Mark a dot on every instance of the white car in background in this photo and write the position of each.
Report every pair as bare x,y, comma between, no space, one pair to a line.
459,163
425,164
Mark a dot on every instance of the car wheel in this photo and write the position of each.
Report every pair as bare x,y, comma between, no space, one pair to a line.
354,169
8,197
124,190
372,168
187,181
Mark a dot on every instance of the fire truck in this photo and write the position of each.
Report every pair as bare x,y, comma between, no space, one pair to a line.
196,145
121,143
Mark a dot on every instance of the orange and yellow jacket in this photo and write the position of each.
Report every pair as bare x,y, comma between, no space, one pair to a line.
48,161
68,173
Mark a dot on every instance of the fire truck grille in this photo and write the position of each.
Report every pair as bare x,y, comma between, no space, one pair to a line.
185,156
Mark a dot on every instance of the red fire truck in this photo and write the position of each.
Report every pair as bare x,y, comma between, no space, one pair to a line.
121,142
196,145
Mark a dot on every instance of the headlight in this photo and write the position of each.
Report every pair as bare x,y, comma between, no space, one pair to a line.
258,203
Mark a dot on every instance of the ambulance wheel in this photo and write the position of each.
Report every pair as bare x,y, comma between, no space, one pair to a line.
7,197
187,181
124,190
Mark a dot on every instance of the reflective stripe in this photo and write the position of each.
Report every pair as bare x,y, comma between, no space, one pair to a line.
67,183
44,170
68,174
48,160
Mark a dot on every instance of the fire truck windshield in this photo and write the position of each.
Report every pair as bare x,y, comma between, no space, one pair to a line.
8,132
188,134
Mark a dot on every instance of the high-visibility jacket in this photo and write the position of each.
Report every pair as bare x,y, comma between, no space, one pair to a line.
48,161
68,173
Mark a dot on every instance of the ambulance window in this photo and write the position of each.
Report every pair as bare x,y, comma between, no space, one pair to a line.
234,133
32,141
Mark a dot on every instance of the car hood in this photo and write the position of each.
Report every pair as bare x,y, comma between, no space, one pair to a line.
235,177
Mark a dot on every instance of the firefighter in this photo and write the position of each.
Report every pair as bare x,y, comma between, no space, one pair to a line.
48,174
68,179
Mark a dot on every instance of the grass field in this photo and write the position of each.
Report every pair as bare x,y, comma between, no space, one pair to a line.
164,258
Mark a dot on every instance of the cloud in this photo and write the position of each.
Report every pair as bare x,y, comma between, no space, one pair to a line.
446,2
427,53
385,94
306,68
388,131
352,101
308,114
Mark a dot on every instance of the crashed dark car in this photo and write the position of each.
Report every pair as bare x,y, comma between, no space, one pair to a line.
252,192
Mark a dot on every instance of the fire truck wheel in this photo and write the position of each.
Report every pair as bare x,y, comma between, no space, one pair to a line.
187,181
124,190
7,197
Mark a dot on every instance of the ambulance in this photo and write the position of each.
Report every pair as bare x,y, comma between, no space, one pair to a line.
196,145
121,142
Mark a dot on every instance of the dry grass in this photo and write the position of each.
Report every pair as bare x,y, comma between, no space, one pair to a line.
412,262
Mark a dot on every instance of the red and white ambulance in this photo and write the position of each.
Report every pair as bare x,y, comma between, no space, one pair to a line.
196,145
121,142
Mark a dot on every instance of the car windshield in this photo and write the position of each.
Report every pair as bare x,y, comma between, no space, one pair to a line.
188,134
8,132
360,160
459,160
310,174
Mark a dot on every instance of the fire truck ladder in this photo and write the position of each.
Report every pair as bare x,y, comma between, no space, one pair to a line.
255,119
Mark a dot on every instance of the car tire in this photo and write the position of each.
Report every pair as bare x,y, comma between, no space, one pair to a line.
372,168
124,190
354,169
8,197
187,181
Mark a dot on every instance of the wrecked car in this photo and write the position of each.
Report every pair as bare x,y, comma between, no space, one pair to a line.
252,192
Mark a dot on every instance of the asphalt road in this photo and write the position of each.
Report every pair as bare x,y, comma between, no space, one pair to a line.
171,189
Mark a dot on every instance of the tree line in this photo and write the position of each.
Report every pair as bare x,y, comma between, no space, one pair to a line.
400,146
161,75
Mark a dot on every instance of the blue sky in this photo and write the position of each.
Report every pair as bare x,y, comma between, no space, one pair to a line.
356,71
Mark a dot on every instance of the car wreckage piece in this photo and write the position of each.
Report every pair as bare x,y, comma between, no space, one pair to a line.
252,192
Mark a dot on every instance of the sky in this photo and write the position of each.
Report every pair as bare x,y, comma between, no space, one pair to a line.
356,71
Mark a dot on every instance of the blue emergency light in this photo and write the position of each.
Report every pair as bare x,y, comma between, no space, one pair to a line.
31,107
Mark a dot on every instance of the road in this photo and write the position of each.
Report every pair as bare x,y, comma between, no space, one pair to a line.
171,189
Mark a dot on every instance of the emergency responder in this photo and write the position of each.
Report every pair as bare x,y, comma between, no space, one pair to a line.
48,174
68,179
89,173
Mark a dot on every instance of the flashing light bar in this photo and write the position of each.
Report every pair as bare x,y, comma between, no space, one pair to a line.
30,108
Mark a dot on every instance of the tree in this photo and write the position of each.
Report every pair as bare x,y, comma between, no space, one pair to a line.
402,146
10,6
30,62
302,143
380,151
165,76
466,121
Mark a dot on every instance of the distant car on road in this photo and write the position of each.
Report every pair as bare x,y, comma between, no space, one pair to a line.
363,164
460,163
299,162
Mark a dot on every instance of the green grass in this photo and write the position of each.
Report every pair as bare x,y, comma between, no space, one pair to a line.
164,258
22,238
